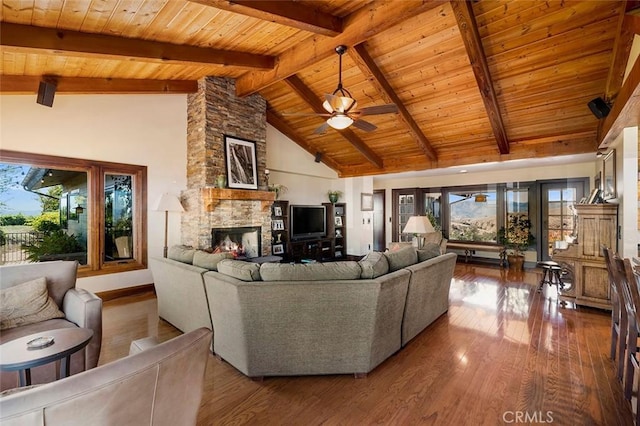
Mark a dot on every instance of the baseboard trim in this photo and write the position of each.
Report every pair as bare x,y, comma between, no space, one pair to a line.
127,291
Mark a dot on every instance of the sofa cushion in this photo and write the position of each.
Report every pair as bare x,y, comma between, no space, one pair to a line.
404,257
27,303
181,253
373,265
209,261
330,271
244,271
429,251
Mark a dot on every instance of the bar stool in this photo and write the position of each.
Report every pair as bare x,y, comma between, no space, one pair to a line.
551,274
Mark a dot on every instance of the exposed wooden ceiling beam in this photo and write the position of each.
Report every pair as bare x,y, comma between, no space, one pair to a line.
367,65
80,44
314,102
463,12
628,27
625,111
22,84
291,14
358,27
284,128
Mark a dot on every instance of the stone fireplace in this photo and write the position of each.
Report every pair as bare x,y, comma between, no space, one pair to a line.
215,111
241,241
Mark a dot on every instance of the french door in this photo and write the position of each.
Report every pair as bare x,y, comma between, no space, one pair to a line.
558,219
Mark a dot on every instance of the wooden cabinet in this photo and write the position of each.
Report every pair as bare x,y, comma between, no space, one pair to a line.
318,249
280,228
337,228
584,268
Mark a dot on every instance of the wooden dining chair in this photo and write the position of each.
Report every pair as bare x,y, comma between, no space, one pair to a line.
619,314
631,297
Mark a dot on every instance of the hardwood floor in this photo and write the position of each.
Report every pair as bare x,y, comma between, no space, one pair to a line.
502,353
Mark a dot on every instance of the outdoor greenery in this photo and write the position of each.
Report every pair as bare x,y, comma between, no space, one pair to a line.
13,219
57,242
517,234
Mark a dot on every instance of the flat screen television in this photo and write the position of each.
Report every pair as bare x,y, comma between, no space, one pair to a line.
308,222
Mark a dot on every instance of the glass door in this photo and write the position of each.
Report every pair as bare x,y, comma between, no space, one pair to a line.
558,220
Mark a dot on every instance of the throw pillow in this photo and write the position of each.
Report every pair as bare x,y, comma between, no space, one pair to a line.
330,271
402,258
373,265
429,251
244,271
209,261
27,303
182,254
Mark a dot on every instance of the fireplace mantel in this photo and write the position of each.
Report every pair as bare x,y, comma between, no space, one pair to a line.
212,197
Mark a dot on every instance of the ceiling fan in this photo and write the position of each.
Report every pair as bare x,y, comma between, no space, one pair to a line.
341,107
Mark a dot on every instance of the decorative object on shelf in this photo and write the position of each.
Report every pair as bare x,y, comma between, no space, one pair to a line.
277,211
279,239
240,156
338,233
609,175
168,203
418,226
334,196
338,220
278,249
279,189
366,202
516,237
221,181
278,225
266,177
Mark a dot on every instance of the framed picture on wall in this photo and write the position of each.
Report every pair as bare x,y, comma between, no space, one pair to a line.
240,157
277,211
366,202
609,175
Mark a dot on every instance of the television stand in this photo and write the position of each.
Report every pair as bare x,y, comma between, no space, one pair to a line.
318,249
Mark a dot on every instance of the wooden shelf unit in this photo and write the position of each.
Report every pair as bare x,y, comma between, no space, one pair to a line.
280,241
337,228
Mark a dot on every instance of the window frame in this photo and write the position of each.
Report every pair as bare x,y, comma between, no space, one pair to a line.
96,171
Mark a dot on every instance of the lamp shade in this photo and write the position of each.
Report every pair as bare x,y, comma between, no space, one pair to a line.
169,203
340,121
418,225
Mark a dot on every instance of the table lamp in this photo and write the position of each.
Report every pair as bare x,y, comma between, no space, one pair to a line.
168,203
419,226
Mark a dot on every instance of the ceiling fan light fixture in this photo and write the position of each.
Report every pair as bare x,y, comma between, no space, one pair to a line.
340,121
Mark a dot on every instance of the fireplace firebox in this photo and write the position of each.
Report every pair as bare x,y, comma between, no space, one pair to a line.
243,241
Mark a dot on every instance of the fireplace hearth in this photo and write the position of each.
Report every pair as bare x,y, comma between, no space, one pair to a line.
243,241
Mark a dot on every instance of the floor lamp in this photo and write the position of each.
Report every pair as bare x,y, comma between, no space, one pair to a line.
418,226
168,203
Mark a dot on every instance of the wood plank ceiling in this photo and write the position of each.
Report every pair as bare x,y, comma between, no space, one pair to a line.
491,80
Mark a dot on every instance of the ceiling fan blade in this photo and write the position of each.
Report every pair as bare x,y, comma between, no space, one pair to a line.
322,129
364,125
378,109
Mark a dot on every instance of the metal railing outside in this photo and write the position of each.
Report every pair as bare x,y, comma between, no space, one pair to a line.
12,251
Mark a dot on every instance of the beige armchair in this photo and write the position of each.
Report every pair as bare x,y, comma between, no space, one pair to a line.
81,309
161,385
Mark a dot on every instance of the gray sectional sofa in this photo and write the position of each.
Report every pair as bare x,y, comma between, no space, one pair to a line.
305,319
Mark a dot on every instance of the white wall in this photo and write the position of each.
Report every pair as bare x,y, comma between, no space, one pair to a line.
627,190
134,129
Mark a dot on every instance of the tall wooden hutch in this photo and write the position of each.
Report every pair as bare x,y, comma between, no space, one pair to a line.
584,268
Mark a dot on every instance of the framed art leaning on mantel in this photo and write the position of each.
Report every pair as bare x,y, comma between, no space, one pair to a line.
240,158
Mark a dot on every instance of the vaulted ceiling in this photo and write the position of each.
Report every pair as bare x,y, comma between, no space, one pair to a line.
474,82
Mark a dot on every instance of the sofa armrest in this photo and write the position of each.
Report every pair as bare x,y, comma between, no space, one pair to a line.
84,309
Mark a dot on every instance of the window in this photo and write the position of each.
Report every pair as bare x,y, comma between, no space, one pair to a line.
89,211
473,215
